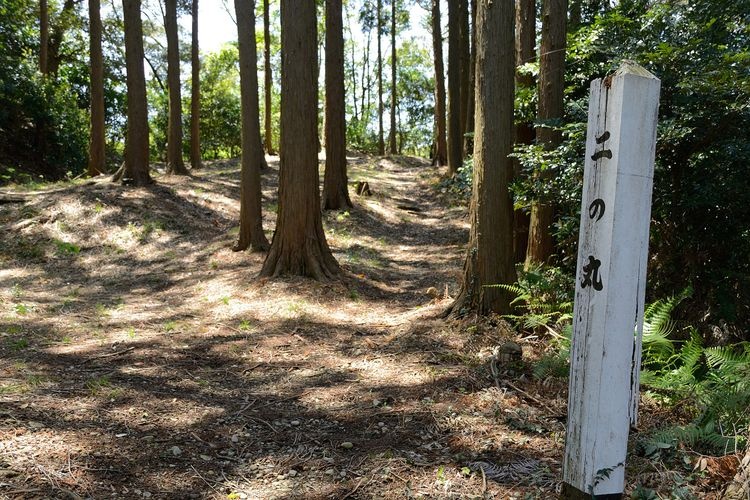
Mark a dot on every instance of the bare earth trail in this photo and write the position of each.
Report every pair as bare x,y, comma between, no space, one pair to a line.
141,358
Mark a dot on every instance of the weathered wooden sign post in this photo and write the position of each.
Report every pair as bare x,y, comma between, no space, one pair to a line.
611,282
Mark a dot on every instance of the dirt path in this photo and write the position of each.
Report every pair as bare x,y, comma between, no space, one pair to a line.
141,358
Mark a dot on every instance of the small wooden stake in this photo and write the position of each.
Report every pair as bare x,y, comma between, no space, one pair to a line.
611,281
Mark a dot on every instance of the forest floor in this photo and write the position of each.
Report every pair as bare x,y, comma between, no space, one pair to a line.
141,358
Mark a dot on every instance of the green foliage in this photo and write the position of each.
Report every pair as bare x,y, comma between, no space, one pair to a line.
220,104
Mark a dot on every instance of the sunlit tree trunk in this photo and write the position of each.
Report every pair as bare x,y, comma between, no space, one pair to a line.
551,107
268,79
136,166
175,165
96,91
525,53
441,147
489,257
455,139
335,190
251,215
299,244
195,100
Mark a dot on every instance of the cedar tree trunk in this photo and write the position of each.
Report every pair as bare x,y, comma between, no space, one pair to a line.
96,75
175,165
135,168
195,99
268,78
525,53
551,106
489,258
43,37
381,141
465,65
468,133
441,147
251,215
393,149
455,139
299,244
335,191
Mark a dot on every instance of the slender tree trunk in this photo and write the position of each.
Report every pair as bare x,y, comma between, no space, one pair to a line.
394,95
525,53
468,140
43,37
96,139
335,191
465,68
251,214
299,244
195,101
381,141
135,168
489,258
268,79
551,108
366,80
441,147
455,139
175,165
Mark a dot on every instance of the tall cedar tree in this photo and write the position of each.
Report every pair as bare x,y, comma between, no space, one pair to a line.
251,215
465,68
335,191
489,258
549,112
175,165
441,147
135,167
455,139
525,53
268,79
195,98
469,132
381,141
392,147
96,79
299,244
43,36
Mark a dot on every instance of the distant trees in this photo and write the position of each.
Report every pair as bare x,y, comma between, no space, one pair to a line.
299,244
251,217
489,257
136,167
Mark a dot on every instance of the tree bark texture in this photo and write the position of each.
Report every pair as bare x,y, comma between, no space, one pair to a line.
299,245
381,140
96,78
268,79
525,53
136,167
489,258
43,36
175,164
393,148
441,146
550,110
335,190
455,139
251,214
195,99
465,65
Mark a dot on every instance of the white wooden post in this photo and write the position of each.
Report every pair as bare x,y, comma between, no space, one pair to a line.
611,281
